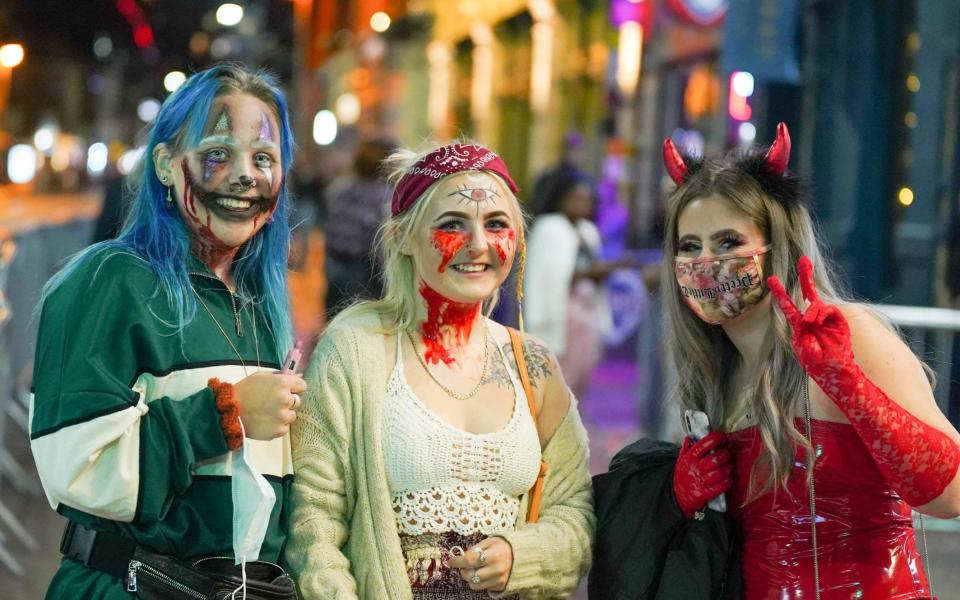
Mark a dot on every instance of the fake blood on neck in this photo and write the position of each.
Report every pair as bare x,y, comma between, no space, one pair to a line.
447,327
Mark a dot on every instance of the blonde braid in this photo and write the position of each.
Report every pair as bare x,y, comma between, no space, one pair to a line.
520,270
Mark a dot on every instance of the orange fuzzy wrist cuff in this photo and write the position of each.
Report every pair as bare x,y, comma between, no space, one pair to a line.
229,412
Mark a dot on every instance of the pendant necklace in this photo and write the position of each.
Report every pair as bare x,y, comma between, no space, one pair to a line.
451,393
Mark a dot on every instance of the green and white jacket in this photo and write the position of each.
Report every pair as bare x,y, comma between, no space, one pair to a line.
123,428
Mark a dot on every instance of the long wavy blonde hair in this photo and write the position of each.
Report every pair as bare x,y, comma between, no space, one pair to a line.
398,305
704,357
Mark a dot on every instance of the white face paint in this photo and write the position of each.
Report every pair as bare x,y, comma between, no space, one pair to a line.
227,185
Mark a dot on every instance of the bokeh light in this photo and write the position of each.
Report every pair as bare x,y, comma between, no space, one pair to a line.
173,80
229,14
21,163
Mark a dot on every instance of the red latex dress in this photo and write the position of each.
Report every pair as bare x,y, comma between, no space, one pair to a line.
865,536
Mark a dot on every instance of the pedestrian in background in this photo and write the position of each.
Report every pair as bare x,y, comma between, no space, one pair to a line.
357,204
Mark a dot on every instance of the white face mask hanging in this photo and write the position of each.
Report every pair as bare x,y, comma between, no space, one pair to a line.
253,501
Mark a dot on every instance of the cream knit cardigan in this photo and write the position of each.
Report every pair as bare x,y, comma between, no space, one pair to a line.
343,540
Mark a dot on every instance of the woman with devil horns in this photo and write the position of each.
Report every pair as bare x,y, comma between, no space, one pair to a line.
825,433
422,448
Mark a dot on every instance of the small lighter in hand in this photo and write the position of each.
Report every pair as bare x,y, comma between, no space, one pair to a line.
292,361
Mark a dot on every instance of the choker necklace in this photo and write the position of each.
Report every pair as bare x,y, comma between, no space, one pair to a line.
256,343
451,393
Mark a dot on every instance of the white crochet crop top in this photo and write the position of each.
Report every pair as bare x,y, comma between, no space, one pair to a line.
444,479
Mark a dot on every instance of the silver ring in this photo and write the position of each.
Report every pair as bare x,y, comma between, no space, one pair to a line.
481,555
475,579
296,401
456,551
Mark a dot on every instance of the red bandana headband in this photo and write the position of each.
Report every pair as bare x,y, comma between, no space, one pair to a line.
444,161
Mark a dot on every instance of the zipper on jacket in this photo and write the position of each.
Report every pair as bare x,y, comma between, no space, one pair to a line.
136,567
233,301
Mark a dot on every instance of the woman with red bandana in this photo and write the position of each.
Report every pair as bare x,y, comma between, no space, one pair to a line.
417,452
825,434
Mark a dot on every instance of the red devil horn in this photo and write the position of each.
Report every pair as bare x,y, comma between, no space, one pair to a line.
674,162
779,153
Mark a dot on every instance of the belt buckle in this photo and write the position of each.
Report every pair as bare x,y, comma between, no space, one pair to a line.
78,543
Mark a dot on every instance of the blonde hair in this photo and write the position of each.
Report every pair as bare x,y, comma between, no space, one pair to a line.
398,305
704,357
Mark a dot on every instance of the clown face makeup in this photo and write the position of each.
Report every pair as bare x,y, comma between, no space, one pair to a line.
719,265
465,245
227,185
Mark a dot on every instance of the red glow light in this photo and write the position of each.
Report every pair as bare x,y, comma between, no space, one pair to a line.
142,36
142,32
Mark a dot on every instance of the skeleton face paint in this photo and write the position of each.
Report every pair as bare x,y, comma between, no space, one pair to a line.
228,184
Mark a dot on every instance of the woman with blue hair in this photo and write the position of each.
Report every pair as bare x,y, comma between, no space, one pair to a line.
158,407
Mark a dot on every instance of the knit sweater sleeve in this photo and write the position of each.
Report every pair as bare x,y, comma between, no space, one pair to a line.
323,491
551,555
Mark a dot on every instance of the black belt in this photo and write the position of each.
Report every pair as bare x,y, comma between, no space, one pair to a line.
100,550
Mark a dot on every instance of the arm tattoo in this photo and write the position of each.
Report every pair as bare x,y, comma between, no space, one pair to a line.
538,364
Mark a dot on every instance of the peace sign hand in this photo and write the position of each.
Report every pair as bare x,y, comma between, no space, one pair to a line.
821,335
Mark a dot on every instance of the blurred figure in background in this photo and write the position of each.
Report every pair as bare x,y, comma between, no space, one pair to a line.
550,179
563,302
115,202
356,205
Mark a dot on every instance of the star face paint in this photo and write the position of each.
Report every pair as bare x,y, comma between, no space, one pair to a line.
229,183
447,326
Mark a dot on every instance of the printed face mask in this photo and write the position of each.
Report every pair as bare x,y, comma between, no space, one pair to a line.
720,288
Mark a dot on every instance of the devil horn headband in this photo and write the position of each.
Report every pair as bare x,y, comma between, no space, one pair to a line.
675,164
775,160
778,155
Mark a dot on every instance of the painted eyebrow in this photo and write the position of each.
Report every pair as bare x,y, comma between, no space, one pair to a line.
462,215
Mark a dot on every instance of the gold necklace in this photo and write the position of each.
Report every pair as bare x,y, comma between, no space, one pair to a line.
256,342
451,393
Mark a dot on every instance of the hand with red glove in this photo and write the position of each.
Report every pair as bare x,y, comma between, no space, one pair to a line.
702,472
917,460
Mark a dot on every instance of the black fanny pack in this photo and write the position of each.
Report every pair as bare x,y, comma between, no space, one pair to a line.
153,576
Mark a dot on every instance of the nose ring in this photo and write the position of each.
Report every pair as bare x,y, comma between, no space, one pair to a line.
247,182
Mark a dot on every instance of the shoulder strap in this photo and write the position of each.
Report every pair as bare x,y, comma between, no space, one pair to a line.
536,492
524,374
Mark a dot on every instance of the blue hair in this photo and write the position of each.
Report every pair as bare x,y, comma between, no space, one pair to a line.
159,236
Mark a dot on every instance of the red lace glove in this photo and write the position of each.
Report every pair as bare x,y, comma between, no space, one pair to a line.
702,472
917,460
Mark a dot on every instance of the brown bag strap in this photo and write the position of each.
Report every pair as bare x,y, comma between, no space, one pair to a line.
536,492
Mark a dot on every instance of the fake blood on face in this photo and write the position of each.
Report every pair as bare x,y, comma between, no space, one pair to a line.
503,241
210,249
448,243
447,320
